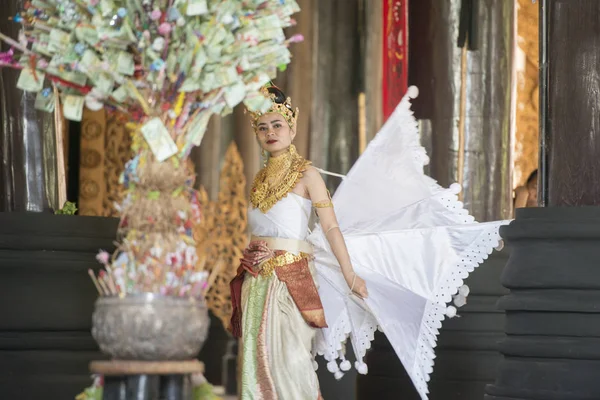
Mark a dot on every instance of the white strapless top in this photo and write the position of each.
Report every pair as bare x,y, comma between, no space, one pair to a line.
287,219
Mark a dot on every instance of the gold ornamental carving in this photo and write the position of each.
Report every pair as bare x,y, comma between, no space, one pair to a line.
527,115
221,235
91,162
117,153
105,148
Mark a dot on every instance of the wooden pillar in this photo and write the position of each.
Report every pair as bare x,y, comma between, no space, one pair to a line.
373,69
336,86
571,118
299,75
245,139
207,157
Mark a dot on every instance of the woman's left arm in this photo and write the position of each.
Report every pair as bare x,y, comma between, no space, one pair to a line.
321,200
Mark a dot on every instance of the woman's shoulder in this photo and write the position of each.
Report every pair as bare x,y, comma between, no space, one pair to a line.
311,171
312,175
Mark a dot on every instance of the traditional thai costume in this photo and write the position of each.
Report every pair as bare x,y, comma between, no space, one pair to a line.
410,240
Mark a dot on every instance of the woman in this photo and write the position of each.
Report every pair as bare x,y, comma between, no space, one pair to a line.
299,293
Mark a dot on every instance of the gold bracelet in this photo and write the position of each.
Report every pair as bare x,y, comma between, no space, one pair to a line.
330,229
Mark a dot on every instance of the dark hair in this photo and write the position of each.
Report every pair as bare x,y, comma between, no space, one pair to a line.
532,178
279,95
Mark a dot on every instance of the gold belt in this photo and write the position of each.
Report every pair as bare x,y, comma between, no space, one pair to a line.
295,250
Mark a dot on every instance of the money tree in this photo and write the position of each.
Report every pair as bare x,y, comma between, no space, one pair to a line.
168,66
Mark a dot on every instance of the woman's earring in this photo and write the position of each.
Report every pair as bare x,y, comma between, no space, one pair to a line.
265,157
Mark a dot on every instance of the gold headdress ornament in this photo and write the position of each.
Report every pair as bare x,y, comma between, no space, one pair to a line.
285,109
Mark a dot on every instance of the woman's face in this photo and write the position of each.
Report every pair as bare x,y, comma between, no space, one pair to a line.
274,133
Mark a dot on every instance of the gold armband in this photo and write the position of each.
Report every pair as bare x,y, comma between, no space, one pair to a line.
324,204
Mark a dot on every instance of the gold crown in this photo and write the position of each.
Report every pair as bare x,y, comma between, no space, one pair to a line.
285,110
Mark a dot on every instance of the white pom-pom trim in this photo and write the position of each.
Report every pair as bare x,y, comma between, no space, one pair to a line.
345,365
455,188
412,92
451,312
464,290
500,245
332,367
338,375
460,300
315,365
361,367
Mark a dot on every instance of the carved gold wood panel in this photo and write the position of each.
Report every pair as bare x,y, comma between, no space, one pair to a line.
91,174
221,235
118,152
105,148
527,124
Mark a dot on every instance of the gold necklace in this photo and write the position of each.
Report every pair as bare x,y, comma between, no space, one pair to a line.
277,179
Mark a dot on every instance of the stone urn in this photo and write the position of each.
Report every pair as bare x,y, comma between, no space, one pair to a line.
150,327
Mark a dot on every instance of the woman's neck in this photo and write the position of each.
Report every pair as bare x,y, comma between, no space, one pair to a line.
281,153
281,157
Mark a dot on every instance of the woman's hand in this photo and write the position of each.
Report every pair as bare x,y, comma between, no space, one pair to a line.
357,285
